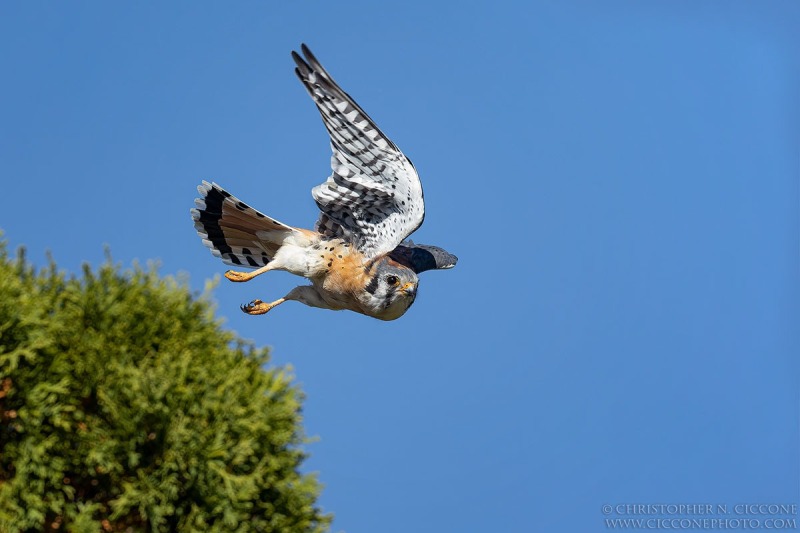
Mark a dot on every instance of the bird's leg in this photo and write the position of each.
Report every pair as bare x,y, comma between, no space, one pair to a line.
306,294
233,275
257,307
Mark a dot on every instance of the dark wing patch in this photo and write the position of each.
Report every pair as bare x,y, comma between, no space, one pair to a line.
422,257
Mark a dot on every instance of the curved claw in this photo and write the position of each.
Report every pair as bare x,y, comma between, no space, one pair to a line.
249,308
257,307
252,310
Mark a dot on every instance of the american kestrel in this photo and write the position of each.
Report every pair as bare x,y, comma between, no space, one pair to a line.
356,258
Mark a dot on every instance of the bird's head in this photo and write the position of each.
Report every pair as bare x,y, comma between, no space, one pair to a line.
390,288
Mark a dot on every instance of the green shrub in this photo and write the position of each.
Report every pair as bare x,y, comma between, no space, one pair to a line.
124,406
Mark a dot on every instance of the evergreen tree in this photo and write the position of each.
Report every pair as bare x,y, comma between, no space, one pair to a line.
125,406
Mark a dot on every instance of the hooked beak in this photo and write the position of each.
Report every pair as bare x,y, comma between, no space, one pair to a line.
409,289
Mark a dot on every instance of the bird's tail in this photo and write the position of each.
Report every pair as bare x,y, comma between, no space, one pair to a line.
234,231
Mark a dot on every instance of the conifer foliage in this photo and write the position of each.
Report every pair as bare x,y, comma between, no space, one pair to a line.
125,406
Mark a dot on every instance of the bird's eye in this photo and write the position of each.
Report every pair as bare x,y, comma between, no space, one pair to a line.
392,280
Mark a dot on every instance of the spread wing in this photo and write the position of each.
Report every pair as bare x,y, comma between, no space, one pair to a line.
373,198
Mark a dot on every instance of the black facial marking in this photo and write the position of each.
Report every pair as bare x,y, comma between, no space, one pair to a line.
387,300
372,286
368,266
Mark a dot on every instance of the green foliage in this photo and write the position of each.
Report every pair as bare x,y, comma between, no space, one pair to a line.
124,406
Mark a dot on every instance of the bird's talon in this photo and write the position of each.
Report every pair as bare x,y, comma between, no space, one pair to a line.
256,307
232,275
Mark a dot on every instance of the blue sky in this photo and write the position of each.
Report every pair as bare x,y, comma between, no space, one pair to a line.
618,179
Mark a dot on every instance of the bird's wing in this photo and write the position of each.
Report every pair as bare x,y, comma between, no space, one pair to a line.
373,198
422,257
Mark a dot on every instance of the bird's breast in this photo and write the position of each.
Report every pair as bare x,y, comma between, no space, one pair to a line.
341,276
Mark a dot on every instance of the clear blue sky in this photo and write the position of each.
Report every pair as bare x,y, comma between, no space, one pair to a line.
618,179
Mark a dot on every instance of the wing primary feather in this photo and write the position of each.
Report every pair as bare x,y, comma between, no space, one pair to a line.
309,66
373,196
314,62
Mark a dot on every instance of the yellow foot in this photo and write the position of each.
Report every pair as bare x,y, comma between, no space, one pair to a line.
257,307
246,276
239,276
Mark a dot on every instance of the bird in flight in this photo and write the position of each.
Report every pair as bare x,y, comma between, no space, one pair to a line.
357,257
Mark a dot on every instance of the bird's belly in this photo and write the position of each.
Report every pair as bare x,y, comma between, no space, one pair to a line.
299,260
342,279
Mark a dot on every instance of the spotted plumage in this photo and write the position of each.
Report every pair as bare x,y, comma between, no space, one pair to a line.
357,257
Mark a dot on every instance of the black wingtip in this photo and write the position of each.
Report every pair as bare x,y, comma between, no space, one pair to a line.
313,63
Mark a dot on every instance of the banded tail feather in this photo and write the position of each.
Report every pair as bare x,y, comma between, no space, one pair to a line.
234,231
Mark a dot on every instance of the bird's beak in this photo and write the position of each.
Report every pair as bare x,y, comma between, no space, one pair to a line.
409,289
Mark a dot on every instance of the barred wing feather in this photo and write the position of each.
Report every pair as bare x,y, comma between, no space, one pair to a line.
373,197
